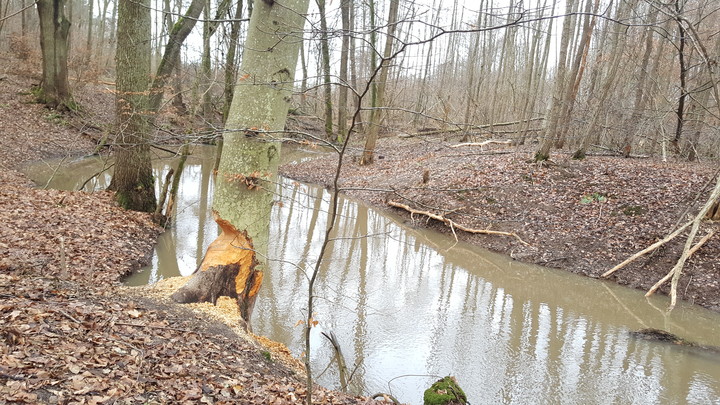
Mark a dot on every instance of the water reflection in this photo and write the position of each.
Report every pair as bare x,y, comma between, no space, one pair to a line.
405,302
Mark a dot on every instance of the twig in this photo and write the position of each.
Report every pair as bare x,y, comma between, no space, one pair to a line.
386,396
61,312
94,175
452,224
54,173
647,249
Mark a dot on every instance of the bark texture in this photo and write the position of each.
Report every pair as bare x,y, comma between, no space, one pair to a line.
133,180
54,31
244,187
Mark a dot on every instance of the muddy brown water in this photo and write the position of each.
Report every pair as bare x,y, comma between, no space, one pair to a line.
408,305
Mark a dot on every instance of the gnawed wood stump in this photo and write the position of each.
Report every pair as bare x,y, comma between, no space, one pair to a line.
229,269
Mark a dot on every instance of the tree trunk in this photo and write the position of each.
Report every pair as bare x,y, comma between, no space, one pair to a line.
345,6
206,77
230,65
54,32
556,106
171,56
88,42
133,179
376,116
641,97
244,187
325,56
576,74
675,142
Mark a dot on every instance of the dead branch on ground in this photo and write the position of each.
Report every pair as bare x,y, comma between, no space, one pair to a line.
452,224
484,143
465,127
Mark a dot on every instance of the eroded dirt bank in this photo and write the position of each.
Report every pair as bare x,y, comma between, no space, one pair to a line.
581,216
69,333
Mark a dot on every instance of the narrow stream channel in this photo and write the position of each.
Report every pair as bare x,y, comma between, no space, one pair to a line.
409,305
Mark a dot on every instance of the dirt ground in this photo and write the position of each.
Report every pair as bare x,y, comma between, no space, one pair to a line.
581,216
69,332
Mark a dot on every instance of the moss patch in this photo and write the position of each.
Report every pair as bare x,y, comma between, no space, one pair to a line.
445,391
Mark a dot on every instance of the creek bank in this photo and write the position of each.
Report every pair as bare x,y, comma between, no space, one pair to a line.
69,332
583,216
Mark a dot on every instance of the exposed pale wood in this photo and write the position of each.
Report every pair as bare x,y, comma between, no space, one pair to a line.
647,249
452,224
667,277
677,269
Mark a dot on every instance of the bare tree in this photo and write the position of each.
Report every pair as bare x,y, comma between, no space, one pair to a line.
376,115
54,33
133,179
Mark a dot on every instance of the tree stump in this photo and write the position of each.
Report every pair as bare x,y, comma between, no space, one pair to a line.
229,269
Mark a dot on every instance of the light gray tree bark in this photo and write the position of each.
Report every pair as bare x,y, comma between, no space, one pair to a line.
345,7
244,186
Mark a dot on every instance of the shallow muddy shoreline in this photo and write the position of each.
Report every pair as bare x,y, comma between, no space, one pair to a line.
580,216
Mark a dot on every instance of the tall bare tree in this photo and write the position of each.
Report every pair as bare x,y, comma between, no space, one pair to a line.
54,32
325,59
376,114
133,180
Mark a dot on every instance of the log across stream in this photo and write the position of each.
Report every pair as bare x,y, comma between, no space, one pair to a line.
408,306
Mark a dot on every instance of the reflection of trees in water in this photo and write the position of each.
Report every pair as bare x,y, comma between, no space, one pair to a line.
511,333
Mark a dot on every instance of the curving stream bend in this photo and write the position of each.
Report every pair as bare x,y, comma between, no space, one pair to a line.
409,305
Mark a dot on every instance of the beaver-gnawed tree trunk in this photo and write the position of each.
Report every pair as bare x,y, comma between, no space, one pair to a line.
244,187
133,180
229,269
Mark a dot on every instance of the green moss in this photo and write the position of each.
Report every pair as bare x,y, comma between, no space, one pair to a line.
141,198
266,354
445,391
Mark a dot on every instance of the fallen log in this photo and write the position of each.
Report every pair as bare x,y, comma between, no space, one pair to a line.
465,127
484,143
452,224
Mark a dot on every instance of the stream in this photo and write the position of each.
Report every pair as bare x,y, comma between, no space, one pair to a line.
409,306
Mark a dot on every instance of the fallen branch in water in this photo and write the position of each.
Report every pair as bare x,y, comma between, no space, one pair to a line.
452,224
647,250
667,277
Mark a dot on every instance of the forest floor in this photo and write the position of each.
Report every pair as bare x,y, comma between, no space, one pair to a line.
69,331
583,216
